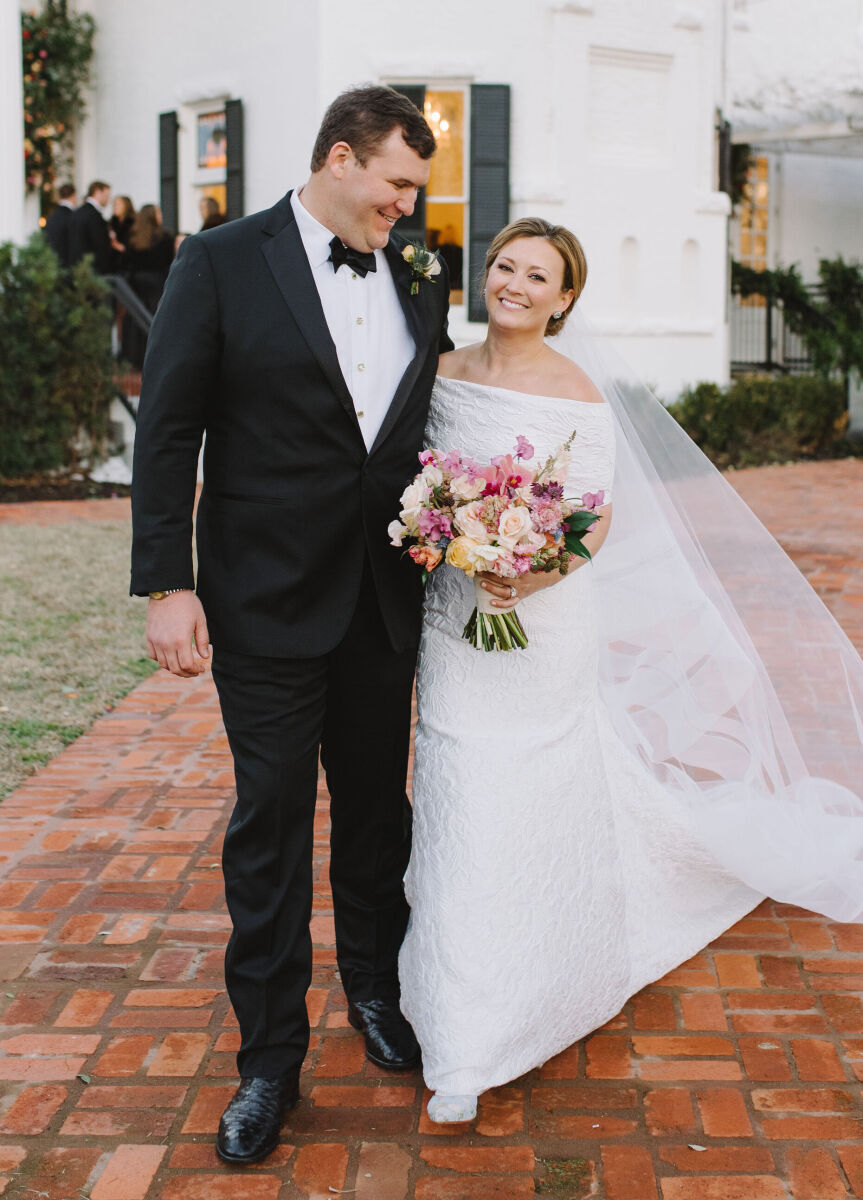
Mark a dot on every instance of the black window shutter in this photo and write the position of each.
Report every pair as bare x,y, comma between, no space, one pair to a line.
169,195
414,226
489,182
726,180
235,173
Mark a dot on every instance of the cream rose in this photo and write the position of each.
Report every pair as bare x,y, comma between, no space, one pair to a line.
413,498
414,495
432,475
514,523
465,489
483,558
467,521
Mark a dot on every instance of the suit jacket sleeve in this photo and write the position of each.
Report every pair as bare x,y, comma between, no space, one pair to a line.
180,371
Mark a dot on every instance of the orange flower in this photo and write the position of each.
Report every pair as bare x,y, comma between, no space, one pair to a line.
425,556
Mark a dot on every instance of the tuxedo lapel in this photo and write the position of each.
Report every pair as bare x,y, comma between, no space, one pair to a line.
415,312
287,260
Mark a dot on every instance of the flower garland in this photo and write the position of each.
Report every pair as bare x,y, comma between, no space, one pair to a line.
57,51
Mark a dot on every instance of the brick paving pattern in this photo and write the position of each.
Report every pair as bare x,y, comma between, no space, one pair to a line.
736,1077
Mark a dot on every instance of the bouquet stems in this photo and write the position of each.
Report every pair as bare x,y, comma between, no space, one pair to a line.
498,631
489,629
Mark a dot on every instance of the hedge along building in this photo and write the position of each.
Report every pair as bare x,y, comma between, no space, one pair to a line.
601,114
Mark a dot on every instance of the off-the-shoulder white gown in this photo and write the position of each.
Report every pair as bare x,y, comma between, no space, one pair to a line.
551,877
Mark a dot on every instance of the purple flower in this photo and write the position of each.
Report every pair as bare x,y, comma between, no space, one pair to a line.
523,448
593,499
426,457
548,491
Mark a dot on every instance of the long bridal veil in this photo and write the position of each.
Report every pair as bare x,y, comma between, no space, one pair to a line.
723,672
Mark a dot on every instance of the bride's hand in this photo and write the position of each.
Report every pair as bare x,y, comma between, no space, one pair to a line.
506,593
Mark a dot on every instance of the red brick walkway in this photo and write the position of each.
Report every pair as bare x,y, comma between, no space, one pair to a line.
734,1078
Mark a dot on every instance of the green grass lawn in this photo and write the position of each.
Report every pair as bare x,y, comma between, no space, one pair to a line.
71,639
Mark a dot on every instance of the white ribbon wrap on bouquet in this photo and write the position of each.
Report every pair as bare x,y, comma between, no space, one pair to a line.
484,600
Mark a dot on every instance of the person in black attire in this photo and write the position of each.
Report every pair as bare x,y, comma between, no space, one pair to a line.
453,255
122,220
146,262
58,224
89,232
211,214
315,619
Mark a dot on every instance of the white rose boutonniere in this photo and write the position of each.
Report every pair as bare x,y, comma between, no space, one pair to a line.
424,264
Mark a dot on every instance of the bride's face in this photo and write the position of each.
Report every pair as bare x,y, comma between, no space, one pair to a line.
525,286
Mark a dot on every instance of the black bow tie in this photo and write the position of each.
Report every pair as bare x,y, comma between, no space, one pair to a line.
355,259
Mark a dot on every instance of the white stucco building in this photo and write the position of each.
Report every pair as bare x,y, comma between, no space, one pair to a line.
601,114
796,83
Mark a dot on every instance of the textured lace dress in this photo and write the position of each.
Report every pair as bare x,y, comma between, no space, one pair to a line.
551,877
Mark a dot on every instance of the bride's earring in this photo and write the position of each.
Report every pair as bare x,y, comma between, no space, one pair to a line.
557,315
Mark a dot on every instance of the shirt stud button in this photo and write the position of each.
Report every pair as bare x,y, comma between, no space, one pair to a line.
353,275
361,414
361,366
359,320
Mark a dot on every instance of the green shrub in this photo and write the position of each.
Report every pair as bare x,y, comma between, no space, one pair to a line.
764,419
56,369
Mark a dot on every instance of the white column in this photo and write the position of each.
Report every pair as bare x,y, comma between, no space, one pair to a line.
12,224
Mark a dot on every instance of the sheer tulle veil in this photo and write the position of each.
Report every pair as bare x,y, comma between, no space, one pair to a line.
722,670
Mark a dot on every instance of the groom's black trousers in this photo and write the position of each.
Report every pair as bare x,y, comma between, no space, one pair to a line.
355,704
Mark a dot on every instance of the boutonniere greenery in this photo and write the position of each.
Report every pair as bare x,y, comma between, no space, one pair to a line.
424,264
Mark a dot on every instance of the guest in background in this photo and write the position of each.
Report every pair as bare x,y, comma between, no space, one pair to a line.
89,232
147,262
452,253
123,219
211,214
58,224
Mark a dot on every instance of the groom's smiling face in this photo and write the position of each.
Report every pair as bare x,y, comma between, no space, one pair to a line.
369,199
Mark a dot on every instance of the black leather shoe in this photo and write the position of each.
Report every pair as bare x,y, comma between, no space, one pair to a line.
390,1041
250,1125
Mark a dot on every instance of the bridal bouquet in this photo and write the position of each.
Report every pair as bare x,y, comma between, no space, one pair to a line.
505,518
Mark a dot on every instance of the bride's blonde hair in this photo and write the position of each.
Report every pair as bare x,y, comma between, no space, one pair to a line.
565,243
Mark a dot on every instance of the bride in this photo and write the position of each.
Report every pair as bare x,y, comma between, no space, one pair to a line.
591,811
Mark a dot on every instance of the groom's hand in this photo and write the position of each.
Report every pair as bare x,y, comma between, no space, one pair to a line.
177,635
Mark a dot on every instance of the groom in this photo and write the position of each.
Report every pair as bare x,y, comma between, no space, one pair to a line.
304,345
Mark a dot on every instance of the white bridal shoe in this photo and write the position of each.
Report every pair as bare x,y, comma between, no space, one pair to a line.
447,1110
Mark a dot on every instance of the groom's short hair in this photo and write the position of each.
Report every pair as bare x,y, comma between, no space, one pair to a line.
364,117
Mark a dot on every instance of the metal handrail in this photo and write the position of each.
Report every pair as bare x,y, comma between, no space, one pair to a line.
134,306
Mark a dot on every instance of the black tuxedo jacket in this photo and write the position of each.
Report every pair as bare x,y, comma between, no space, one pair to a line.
293,503
57,229
88,234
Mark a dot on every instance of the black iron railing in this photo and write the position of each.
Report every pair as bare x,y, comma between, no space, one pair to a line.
761,340
137,311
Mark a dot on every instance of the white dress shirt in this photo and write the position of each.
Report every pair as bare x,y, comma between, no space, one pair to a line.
365,320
